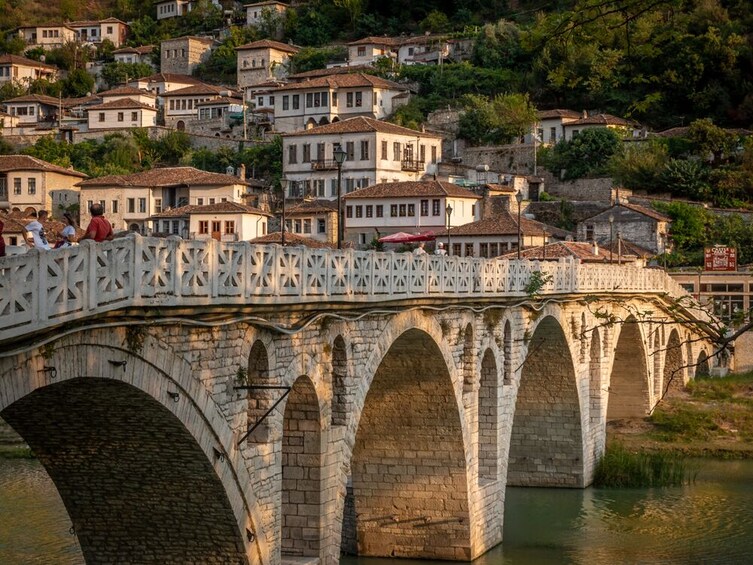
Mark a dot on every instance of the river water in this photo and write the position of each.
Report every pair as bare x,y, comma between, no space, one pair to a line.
707,522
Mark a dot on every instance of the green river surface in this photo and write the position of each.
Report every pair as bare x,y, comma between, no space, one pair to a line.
707,522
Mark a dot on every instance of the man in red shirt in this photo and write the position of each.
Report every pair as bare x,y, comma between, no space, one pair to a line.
99,228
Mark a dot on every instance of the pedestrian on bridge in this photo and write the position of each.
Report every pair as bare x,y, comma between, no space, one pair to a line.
99,228
36,229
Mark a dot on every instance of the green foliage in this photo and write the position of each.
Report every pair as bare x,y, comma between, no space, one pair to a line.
221,66
498,120
536,283
312,58
620,468
640,165
77,83
498,46
587,154
435,22
117,73
687,178
354,8
11,90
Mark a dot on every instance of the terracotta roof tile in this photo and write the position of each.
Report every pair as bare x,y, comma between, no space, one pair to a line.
269,44
505,223
599,120
291,240
218,208
412,189
170,77
41,98
560,249
125,91
28,163
121,104
548,114
316,73
312,207
344,80
220,100
140,50
18,60
168,176
198,89
375,40
360,124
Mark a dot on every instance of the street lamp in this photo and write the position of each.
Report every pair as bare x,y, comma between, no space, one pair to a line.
611,235
519,198
339,155
448,211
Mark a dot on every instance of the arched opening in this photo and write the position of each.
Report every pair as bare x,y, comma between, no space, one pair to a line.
507,344
259,400
468,360
339,376
323,122
628,384
488,419
702,368
546,444
180,126
335,119
30,210
594,377
311,123
129,472
301,469
674,366
408,465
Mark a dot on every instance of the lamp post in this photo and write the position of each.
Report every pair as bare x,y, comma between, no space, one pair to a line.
519,198
611,235
282,226
339,155
448,211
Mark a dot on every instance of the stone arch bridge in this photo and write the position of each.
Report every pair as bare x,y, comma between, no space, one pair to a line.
228,403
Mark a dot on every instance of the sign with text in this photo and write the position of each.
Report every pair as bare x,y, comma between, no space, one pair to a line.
720,258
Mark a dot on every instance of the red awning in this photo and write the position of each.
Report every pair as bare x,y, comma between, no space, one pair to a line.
403,237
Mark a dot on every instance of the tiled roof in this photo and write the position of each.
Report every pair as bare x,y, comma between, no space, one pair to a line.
140,50
625,247
643,210
548,114
28,163
269,44
121,104
267,3
560,249
375,40
170,77
16,222
599,120
125,91
40,98
218,208
412,189
18,60
345,80
504,223
220,100
198,89
500,187
312,207
316,73
168,176
194,37
291,240
360,124
82,101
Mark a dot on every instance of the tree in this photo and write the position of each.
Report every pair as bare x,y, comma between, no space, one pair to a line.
496,121
687,178
586,154
353,7
435,22
118,73
497,45
77,83
312,58
640,165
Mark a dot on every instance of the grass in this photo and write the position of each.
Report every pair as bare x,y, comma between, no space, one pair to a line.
16,452
622,468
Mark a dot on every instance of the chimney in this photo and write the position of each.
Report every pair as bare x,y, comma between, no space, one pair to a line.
585,114
596,248
242,171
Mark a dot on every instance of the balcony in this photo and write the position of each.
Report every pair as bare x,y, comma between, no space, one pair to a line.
323,165
412,165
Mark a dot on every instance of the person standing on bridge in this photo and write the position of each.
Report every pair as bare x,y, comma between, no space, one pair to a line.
36,229
440,250
99,228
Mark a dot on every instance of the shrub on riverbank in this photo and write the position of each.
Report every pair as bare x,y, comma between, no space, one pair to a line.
622,468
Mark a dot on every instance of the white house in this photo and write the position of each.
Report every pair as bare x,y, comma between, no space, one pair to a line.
22,71
256,12
315,219
97,31
410,206
48,36
130,55
32,109
368,50
423,50
130,200
592,121
261,61
376,152
161,83
124,113
326,99
172,8
223,221
123,92
183,105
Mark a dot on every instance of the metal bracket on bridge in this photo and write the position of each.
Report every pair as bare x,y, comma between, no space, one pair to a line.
118,363
287,390
51,371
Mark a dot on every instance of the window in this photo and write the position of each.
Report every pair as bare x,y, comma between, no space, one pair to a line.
422,153
212,201
349,211
32,186
349,99
321,226
361,50
553,135
101,116
435,207
306,158
114,206
286,102
364,150
350,150
396,151
307,226
320,152
142,205
359,211
411,210
483,250
393,210
334,99
199,201
319,188
384,150
309,99
292,157
589,232
176,227
369,211
16,186
296,101
120,116
424,207
359,99
216,225
89,204
402,210
172,104
433,153
134,116
131,205
157,205
230,227
379,211
473,210
109,31
271,100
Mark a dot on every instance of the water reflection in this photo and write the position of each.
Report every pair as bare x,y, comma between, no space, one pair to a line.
710,521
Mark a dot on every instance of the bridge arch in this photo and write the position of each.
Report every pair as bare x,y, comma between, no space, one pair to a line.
543,453
674,365
488,418
161,441
339,381
629,390
409,440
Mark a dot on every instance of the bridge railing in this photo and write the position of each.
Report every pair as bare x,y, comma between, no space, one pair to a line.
48,288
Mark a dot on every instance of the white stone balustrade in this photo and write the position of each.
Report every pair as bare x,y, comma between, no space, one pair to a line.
40,290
